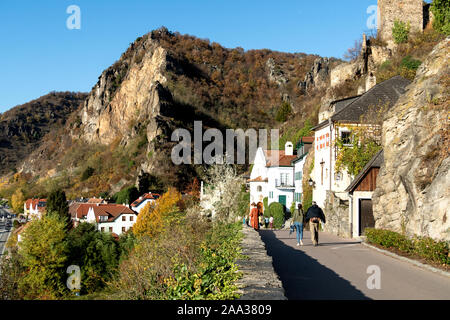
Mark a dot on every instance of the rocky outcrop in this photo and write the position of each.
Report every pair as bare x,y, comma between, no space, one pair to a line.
318,76
126,94
413,186
259,280
275,73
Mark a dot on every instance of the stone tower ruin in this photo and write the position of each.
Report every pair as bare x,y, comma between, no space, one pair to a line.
416,12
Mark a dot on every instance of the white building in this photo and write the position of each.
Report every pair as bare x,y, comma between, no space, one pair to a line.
140,203
34,208
345,115
114,218
272,176
303,147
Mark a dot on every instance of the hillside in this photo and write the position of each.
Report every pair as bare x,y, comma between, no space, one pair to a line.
23,128
165,81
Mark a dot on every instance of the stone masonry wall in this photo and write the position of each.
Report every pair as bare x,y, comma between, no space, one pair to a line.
259,281
404,10
336,214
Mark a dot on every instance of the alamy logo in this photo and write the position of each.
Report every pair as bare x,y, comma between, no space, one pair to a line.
74,20
374,280
213,153
372,21
74,280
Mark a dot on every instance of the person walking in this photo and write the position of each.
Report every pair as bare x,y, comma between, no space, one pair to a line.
271,222
314,215
298,218
254,213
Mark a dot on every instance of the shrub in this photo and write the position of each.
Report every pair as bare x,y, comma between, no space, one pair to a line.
276,210
87,173
400,32
441,12
266,207
427,248
284,111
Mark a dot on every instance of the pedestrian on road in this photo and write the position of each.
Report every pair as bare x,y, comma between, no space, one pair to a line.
314,215
271,222
298,218
254,217
266,222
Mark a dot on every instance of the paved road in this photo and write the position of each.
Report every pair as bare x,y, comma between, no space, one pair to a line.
337,269
4,230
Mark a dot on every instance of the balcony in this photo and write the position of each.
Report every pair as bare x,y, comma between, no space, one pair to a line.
284,185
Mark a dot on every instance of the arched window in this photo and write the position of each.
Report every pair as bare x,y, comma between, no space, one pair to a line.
259,189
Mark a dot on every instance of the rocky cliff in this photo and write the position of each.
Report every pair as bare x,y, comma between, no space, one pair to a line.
413,186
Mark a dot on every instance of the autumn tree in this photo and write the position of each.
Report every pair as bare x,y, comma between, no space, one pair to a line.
154,217
17,201
44,251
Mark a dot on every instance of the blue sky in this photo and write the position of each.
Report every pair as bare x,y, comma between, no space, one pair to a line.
40,54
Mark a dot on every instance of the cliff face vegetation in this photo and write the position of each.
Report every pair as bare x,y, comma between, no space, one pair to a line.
23,128
162,82
413,186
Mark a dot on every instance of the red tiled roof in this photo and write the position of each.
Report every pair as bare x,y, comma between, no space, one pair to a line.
258,179
308,139
146,196
273,156
35,202
112,211
96,200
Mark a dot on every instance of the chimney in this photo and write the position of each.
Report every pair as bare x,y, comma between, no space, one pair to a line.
371,81
288,149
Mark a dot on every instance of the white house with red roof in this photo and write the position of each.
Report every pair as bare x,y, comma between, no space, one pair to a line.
114,218
272,176
34,208
140,203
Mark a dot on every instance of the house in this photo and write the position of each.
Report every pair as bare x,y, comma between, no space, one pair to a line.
360,193
34,208
272,176
140,203
114,218
347,115
96,200
303,148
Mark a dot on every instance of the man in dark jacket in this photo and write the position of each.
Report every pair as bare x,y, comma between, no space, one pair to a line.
314,215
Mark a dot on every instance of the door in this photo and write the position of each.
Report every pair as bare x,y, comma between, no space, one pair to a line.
282,200
366,219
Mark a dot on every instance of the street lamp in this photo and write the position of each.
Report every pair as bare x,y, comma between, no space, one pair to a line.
311,182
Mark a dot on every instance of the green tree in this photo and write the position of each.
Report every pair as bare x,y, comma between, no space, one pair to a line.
284,111
127,195
96,253
57,205
87,173
441,12
44,251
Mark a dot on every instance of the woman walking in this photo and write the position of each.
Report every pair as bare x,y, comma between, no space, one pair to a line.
298,218
254,213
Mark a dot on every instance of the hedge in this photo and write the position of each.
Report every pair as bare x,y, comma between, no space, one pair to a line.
276,210
424,247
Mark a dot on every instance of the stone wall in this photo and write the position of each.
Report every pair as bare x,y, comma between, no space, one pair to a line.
336,212
413,186
411,11
259,281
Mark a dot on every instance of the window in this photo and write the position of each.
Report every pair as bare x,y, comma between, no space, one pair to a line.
123,229
259,189
346,137
102,229
124,218
271,194
298,176
110,229
131,218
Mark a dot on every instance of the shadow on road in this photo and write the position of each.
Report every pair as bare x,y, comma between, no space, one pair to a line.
303,277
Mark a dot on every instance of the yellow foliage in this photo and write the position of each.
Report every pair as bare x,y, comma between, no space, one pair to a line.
155,216
17,201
